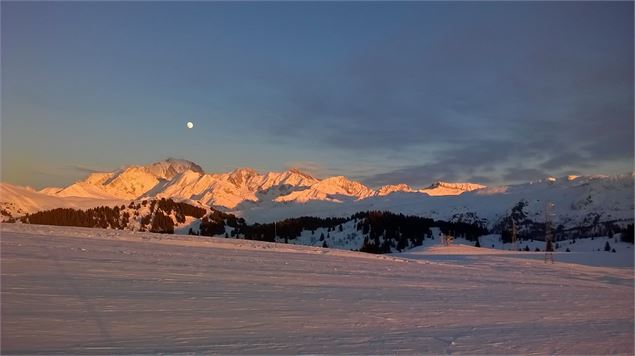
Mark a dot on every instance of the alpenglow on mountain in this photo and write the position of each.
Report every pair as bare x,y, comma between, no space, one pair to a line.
182,179
579,201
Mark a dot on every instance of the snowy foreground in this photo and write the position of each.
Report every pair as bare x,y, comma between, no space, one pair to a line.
75,290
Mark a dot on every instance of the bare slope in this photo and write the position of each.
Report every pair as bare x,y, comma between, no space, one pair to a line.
74,290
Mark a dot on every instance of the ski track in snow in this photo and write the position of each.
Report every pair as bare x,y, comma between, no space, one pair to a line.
91,291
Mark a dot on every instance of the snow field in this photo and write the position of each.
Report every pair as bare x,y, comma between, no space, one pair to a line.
76,290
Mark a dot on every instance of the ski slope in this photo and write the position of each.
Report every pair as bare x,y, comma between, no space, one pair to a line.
93,291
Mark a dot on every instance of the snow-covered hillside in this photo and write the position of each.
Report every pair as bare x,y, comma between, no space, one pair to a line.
16,201
587,251
590,250
154,215
584,201
95,291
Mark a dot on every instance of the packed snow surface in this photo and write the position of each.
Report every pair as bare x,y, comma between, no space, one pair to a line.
93,291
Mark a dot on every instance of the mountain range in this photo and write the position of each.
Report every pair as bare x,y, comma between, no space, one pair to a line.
182,179
277,195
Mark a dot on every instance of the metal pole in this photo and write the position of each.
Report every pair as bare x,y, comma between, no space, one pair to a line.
514,244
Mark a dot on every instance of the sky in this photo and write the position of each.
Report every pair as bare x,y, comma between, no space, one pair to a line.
385,93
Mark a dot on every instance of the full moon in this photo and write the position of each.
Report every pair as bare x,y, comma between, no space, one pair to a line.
189,125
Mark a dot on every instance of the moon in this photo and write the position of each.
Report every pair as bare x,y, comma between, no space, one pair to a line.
189,125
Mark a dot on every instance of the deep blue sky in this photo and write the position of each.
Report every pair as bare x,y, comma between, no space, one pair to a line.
381,92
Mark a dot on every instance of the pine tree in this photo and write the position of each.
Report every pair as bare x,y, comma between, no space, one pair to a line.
628,235
607,247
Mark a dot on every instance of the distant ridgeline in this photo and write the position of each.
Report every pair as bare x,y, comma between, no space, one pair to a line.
370,231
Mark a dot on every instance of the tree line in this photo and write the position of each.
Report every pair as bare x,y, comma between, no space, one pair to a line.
159,219
383,231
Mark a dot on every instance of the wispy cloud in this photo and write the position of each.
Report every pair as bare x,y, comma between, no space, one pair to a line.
551,97
75,168
313,168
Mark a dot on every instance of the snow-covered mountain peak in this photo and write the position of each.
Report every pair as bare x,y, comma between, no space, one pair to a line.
339,180
300,173
98,177
336,180
344,186
242,176
447,188
129,182
330,189
169,168
243,171
389,189
465,186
